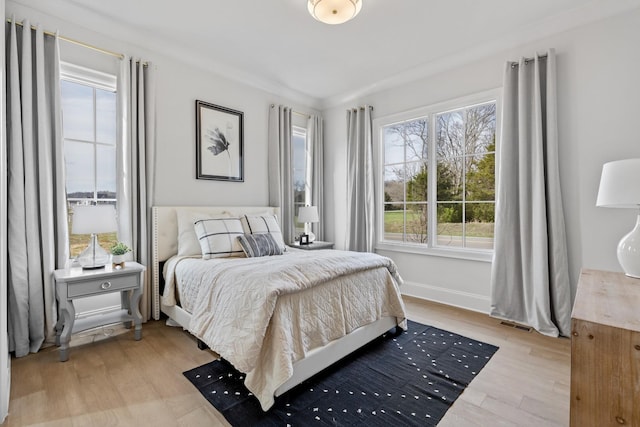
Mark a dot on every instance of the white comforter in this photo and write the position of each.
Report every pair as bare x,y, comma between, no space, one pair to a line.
263,314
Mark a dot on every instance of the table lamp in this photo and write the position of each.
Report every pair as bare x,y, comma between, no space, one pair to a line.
307,215
620,188
94,220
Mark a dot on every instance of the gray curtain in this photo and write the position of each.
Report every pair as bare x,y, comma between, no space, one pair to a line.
315,136
530,275
135,164
280,167
360,181
37,215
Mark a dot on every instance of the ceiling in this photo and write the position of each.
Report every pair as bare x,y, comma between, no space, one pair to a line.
276,45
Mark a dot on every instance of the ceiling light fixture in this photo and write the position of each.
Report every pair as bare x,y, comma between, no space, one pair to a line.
334,11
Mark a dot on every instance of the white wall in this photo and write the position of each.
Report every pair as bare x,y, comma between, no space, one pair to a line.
5,360
598,104
178,86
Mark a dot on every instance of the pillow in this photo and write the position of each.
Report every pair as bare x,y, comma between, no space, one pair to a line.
188,243
219,237
264,224
257,245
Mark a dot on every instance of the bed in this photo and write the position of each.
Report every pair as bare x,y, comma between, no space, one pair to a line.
279,319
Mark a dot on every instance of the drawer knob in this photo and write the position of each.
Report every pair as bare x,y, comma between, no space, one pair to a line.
105,285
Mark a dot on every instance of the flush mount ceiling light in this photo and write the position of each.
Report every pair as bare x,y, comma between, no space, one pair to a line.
334,11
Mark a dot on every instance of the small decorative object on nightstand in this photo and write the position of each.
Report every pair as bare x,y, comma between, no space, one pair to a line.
313,245
118,253
72,283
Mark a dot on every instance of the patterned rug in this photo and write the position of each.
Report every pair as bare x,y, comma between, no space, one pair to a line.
411,380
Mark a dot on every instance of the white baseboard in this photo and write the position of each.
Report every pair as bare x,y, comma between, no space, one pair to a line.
4,389
466,300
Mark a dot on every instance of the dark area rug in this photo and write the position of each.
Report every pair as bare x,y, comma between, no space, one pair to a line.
411,380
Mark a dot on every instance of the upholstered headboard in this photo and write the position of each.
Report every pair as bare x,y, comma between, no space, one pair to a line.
165,236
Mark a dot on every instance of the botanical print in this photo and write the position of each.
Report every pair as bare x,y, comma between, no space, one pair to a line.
219,131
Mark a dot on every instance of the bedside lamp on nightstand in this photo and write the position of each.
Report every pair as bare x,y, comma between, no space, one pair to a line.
94,220
307,215
620,188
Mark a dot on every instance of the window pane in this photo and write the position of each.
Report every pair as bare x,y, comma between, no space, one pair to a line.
480,225
105,116
77,110
480,181
393,146
416,231
106,172
394,183
79,164
450,179
450,224
480,129
394,223
450,134
416,182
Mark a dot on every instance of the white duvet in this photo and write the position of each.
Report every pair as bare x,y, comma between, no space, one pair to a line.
263,314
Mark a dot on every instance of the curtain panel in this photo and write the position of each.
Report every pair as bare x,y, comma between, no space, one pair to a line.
281,167
135,159
315,135
530,274
37,237
360,181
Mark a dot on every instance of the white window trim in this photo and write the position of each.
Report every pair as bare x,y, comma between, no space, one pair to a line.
430,111
87,76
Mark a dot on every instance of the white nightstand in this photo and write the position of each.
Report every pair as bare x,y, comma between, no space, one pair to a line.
313,246
72,283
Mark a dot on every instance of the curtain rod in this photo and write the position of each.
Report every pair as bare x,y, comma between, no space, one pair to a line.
527,60
361,108
70,40
296,112
77,42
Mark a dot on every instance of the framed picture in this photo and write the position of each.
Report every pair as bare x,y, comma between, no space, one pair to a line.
219,140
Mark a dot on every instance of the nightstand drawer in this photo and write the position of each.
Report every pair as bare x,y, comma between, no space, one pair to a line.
106,284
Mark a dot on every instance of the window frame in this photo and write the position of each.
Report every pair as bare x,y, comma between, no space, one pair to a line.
302,131
95,80
430,111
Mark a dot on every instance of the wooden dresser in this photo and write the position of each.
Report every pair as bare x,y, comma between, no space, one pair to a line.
605,350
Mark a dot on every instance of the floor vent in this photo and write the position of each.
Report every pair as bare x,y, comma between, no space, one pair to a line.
515,325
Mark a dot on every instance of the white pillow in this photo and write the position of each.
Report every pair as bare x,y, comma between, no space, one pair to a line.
188,244
219,237
258,224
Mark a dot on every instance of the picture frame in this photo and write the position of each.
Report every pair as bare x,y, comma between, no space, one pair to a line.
219,143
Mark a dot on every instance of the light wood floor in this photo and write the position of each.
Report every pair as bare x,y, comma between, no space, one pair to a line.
120,382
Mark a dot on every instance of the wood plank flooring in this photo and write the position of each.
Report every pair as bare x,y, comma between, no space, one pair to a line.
117,381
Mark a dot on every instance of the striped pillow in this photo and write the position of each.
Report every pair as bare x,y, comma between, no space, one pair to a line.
219,237
264,224
257,245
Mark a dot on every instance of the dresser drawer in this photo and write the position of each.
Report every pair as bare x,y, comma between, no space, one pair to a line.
106,284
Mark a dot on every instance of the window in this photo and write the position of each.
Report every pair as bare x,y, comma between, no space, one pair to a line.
89,131
438,167
301,173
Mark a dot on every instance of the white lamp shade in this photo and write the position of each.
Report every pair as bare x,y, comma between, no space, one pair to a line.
94,219
334,11
620,184
308,214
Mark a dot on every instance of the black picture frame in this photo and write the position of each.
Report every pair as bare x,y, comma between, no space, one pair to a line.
219,143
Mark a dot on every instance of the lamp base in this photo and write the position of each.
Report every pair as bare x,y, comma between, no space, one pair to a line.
629,252
93,256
